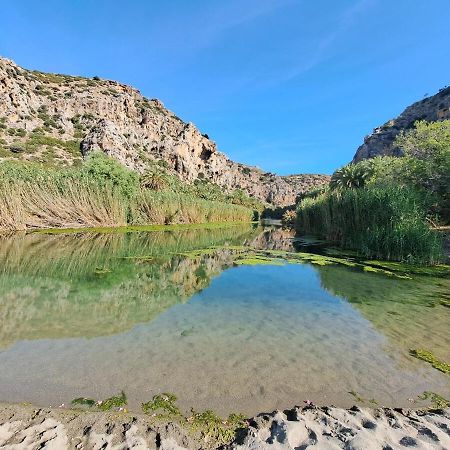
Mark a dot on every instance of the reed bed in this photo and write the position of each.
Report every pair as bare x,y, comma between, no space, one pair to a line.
378,222
70,202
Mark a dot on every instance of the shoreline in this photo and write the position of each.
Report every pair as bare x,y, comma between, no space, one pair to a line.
27,426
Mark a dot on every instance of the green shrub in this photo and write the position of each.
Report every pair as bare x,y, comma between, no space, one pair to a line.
105,170
386,222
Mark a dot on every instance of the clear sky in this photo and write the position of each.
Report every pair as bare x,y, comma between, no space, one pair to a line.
288,85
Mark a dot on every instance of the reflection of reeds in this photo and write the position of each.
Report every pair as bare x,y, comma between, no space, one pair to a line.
73,255
42,307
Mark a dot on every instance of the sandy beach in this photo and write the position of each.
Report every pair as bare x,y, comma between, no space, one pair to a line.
28,427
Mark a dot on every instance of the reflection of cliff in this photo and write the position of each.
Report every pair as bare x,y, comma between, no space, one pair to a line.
407,312
86,286
275,238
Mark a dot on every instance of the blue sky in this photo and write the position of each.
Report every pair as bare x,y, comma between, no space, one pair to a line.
291,86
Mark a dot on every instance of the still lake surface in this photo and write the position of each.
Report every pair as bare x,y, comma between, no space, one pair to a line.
91,314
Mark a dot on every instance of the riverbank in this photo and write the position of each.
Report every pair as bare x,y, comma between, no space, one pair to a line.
25,426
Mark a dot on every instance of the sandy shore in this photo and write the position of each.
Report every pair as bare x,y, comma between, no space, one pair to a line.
27,427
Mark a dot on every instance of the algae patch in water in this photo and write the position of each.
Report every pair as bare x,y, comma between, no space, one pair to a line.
428,357
361,399
258,260
83,401
439,270
116,401
162,406
436,400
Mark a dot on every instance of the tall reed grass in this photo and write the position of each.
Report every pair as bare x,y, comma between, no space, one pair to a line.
45,199
378,222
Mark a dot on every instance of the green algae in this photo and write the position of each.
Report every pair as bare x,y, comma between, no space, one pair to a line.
436,400
428,357
258,260
83,401
361,399
207,424
162,406
445,303
438,271
209,251
116,401
213,428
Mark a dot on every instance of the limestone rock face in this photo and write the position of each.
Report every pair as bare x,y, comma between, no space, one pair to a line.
381,141
78,115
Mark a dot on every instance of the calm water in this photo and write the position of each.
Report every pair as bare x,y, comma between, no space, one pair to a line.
89,315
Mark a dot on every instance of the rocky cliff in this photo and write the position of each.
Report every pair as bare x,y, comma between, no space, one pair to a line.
60,119
381,141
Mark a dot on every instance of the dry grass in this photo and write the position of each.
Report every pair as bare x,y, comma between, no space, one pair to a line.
24,205
72,203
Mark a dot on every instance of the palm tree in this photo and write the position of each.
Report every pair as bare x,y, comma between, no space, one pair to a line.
350,176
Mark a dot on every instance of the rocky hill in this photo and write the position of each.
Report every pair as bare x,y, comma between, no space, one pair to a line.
381,141
59,119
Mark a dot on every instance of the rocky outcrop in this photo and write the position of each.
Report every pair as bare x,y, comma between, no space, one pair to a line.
59,118
381,141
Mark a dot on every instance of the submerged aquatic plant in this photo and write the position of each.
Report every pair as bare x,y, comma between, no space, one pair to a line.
113,402
436,400
83,401
428,357
164,403
116,401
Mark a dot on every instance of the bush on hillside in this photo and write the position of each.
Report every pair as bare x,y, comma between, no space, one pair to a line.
107,171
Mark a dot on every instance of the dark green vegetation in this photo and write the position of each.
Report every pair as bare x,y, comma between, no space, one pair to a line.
384,207
117,401
427,356
103,193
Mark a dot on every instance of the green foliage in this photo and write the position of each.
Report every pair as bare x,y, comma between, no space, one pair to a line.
350,176
428,357
382,222
108,171
163,405
427,151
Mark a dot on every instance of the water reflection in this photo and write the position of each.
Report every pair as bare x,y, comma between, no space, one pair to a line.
93,314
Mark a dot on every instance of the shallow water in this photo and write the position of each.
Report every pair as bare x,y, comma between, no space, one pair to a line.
89,315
